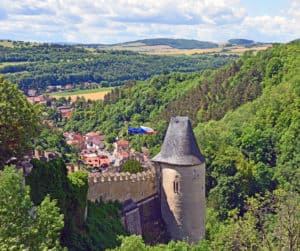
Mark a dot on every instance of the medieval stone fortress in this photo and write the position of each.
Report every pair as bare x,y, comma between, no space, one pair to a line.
168,195
173,189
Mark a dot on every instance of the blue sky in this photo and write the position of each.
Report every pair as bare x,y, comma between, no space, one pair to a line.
113,21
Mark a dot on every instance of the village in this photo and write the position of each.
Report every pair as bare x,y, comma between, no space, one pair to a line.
93,154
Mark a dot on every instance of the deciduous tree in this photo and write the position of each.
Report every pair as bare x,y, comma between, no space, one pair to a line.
22,225
18,122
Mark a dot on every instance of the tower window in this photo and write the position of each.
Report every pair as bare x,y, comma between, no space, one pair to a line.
176,186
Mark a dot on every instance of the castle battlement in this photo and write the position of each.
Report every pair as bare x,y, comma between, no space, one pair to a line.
119,177
122,186
179,185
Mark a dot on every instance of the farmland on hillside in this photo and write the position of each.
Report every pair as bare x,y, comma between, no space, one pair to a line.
92,94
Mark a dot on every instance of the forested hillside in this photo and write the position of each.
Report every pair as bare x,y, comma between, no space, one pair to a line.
246,118
240,41
133,104
39,65
201,96
247,124
248,127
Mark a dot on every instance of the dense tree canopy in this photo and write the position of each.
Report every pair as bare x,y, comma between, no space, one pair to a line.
24,226
204,96
40,65
19,122
255,148
102,225
246,118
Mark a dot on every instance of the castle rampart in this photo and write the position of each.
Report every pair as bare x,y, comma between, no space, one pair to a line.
122,186
176,191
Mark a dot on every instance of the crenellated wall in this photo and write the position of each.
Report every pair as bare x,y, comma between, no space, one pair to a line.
122,186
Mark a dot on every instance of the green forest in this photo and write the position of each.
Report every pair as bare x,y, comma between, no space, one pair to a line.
40,65
246,118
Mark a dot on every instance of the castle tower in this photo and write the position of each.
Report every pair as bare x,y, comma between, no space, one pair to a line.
181,173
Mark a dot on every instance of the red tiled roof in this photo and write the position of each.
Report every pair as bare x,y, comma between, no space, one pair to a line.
102,137
123,143
92,134
94,139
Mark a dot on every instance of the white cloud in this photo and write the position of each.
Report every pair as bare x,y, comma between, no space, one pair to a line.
267,24
105,21
282,27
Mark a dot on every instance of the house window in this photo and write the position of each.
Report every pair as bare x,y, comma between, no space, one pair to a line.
176,186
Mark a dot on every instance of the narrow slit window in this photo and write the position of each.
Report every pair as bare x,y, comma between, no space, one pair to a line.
176,186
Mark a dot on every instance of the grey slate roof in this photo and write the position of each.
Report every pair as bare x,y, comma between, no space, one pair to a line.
180,146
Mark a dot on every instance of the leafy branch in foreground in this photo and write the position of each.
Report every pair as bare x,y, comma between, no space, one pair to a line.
22,225
19,122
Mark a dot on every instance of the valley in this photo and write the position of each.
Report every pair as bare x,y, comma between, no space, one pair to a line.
150,125
244,111
36,66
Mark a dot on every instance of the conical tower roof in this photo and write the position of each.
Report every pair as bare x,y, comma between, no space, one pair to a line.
180,146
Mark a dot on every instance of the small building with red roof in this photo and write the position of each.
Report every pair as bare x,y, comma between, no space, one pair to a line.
65,111
75,139
122,149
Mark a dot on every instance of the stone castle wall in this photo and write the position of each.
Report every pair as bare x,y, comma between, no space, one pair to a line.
122,186
132,221
144,218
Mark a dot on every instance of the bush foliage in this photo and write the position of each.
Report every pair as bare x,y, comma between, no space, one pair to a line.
132,166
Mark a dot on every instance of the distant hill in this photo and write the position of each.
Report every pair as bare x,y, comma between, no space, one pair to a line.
240,41
34,65
181,44
176,43
295,40
169,46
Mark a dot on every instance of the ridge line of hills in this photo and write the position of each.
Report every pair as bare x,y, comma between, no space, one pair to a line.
37,66
178,43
